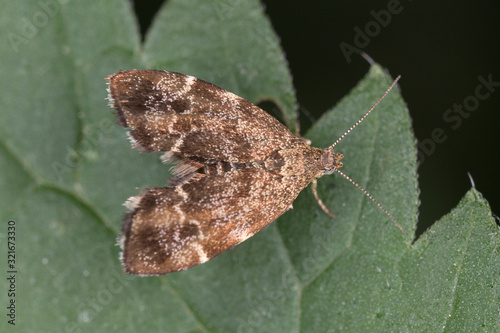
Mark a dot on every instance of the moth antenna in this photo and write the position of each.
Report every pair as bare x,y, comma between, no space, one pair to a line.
366,114
371,198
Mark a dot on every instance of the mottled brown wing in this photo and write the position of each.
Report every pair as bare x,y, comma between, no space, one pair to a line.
175,228
168,111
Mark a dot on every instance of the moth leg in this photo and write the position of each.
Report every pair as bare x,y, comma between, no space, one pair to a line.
297,127
320,203
297,131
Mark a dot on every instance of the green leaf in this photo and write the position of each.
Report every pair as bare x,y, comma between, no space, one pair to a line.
447,281
67,169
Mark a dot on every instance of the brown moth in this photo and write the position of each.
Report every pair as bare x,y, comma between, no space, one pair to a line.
236,169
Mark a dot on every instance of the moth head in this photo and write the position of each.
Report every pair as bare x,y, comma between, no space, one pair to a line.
331,161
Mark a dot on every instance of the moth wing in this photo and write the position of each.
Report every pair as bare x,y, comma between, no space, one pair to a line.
188,117
175,228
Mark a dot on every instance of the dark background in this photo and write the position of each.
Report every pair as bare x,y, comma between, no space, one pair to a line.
439,47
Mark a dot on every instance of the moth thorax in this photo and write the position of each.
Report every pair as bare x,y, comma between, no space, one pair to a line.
331,161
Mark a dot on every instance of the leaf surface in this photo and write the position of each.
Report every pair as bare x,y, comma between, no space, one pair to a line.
67,169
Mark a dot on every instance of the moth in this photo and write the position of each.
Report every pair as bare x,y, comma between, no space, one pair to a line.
236,169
